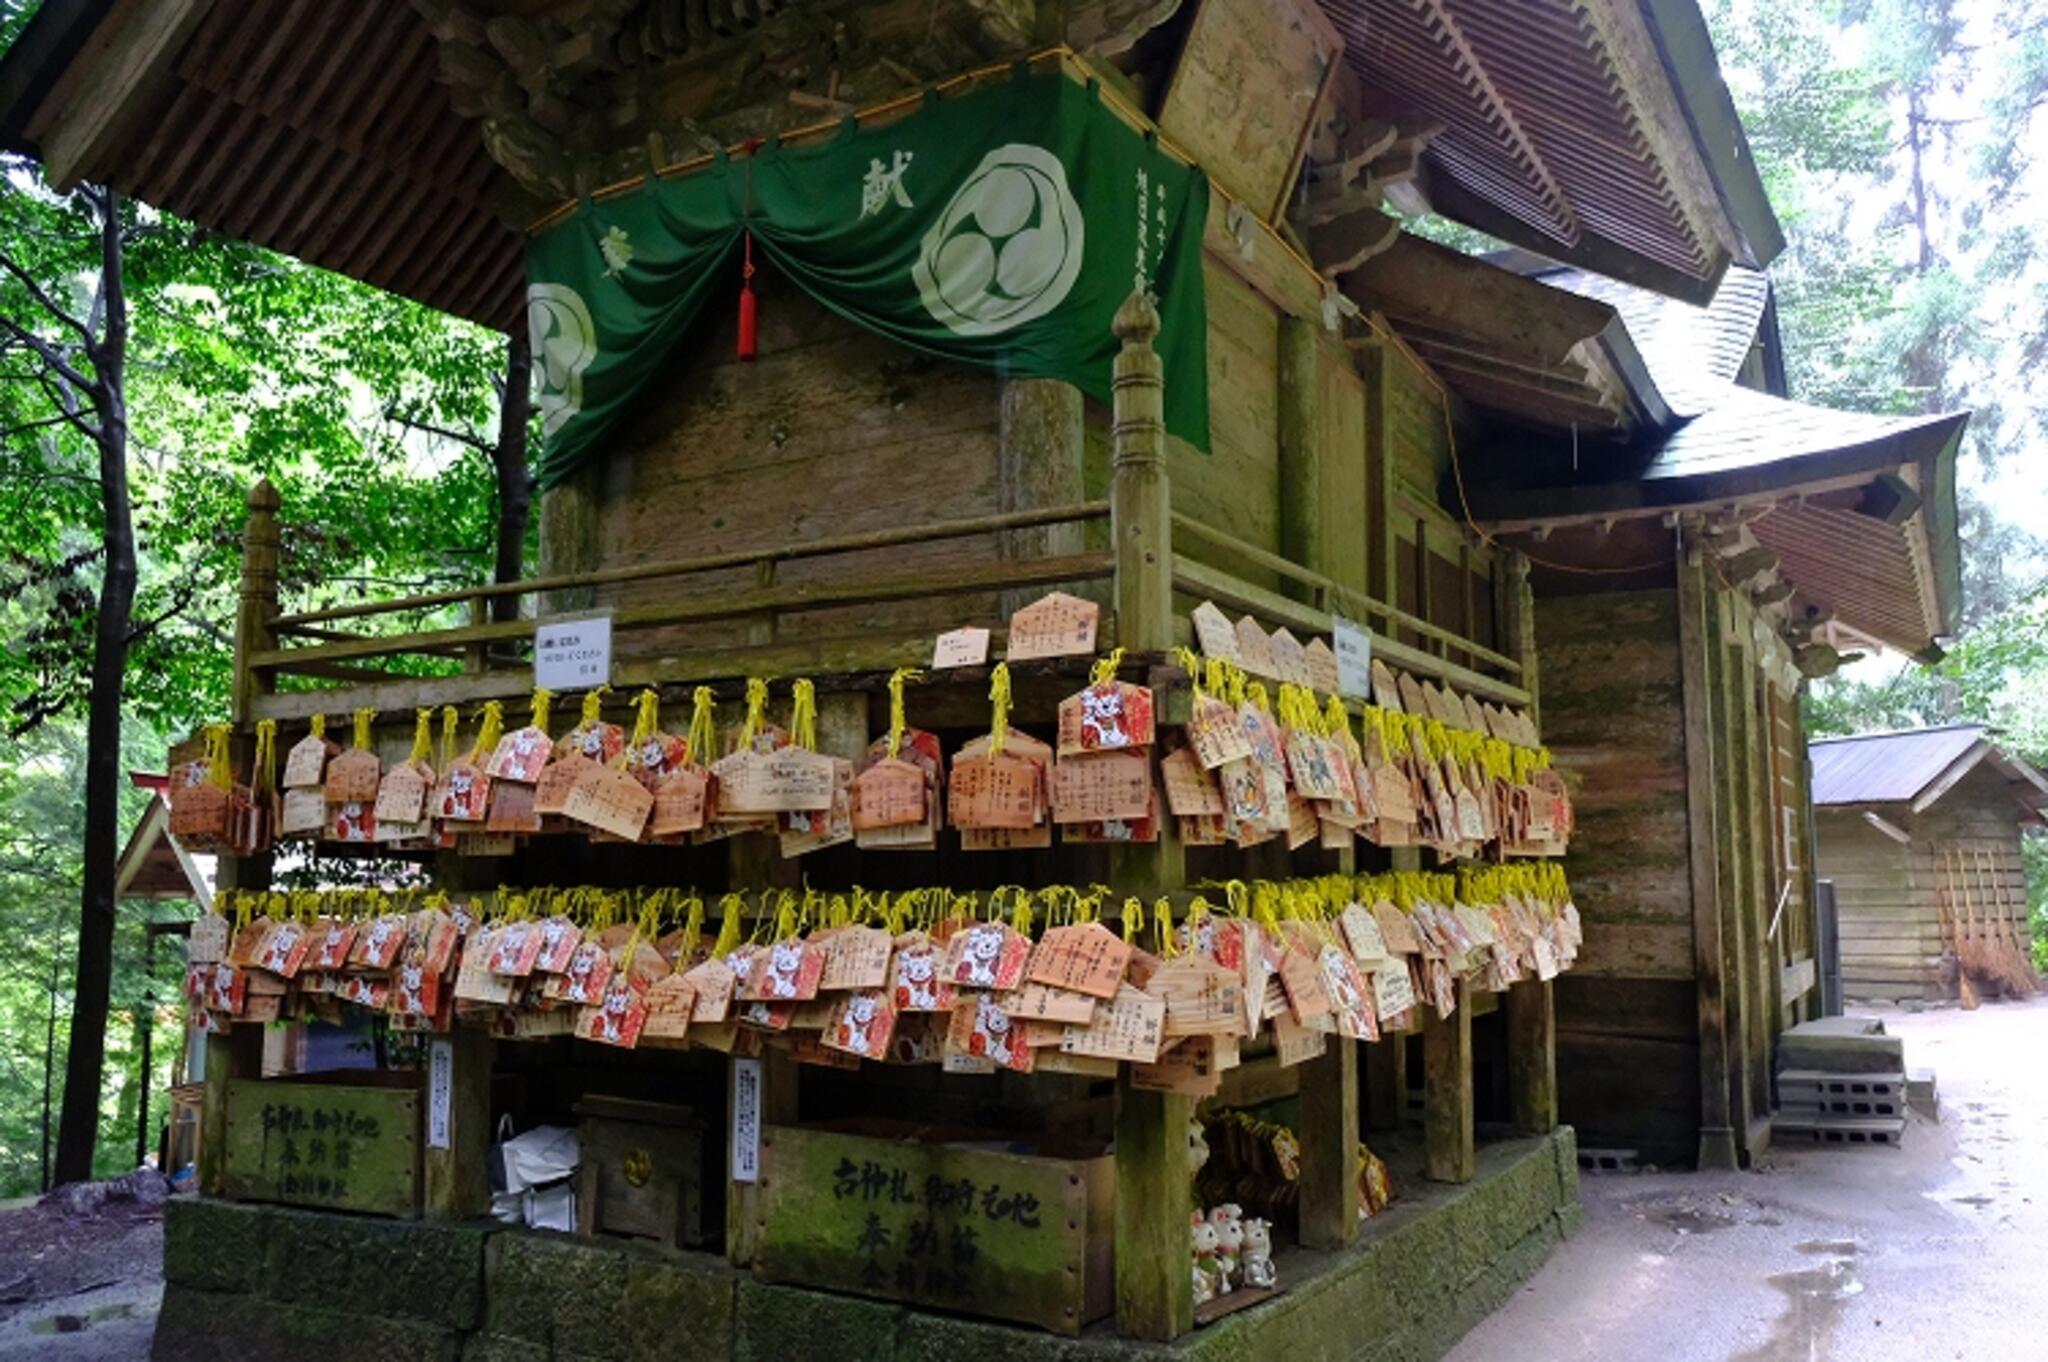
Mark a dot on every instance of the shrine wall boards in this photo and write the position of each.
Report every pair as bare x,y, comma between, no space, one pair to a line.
1683,751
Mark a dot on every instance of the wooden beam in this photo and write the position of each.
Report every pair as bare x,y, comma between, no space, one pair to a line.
1347,241
1155,1298
1386,1082
1140,499
131,54
258,604
777,1101
1329,1146
1447,1113
1532,1056
1300,449
1697,633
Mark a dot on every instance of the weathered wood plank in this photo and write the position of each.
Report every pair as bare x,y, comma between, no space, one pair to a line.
1697,633
1154,1290
1532,1056
457,1176
1329,1146
1447,1110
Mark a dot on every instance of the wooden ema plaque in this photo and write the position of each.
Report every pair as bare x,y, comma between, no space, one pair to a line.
609,799
1386,692
990,955
520,755
353,777
1002,791
861,1024
1190,790
305,766
1100,786
1127,1027
200,816
1189,1068
1083,958
981,1029
670,1004
888,794
1290,662
304,811
1313,763
1043,1003
557,780
786,972
788,780
1215,635
1111,717
402,794
856,957
1201,997
1255,649
1393,988
209,939
1057,625
512,808
679,802
1215,733
1323,677
713,983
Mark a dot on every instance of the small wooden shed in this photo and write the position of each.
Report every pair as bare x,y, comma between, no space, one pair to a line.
1916,828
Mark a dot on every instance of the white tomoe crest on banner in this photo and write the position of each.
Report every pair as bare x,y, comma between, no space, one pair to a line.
1006,248
564,342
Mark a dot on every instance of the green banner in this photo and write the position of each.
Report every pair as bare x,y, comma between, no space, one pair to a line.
1002,228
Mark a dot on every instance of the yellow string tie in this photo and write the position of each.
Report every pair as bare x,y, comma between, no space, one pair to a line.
318,725
803,714
897,722
218,772
1162,926
646,716
593,705
266,753
999,708
703,740
422,736
757,711
729,910
1105,669
363,739
449,719
542,702
1134,919
492,729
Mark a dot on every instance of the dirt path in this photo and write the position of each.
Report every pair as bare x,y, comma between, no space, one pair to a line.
80,1288
1933,1251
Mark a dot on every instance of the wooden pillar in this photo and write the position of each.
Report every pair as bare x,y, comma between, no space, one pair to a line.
1698,633
777,1102
1329,1146
1300,441
458,1185
258,606
1382,571
1532,1056
569,536
1448,1154
1515,609
230,1056
1140,498
1040,462
1155,1298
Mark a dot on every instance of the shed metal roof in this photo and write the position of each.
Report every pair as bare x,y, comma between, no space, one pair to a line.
1916,766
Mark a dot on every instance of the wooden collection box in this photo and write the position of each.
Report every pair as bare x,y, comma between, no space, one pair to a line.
644,1172
958,1226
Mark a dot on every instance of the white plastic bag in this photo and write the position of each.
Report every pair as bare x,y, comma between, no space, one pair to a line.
542,1155
552,1208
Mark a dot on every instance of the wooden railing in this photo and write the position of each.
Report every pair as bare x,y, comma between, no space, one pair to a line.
343,645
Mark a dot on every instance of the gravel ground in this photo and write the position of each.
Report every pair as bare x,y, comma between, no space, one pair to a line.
80,1287
1931,1251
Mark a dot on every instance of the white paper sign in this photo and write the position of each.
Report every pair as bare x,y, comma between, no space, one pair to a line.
961,648
440,1088
746,1120
573,654
1353,646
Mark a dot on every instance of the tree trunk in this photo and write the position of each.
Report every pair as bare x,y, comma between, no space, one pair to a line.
50,1057
78,1125
515,483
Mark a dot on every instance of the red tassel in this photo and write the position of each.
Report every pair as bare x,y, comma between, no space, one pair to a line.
747,319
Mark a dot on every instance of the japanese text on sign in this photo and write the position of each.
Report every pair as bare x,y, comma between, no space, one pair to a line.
1353,647
573,654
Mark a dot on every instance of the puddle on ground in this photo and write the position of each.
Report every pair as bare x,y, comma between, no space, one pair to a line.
1815,1300
1834,1247
1691,1220
72,1324
1979,1200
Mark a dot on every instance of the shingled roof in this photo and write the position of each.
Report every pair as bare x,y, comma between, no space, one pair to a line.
1914,766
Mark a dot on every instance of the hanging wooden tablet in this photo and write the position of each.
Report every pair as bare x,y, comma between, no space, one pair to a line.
805,831
1294,1043
679,802
1255,649
855,957
516,949
655,757
1190,790
609,799
227,988
753,783
713,983
1269,759
1043,1003
1386,691
1290,660
917,975
980,1029
593,739
520,755
352,821
303,814
890,793
787,971
305,766
1188,1068
209,939
1312,764
1140,830
963,647
670,1005
1303,826
1214,731
1201,996
402,793
1108,716
1413,699
464,795
920,750
1002,791
353,777
1083,957
1322,667
1100,786
1056,625
557,780
1128,1027
1204,830
1215,635
862,1024
986,955
620,1014
284,949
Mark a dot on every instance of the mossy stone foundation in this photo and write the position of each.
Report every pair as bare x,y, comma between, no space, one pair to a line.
245,1283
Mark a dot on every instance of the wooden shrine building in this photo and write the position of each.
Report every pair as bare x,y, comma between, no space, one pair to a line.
1920,831
1559,489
